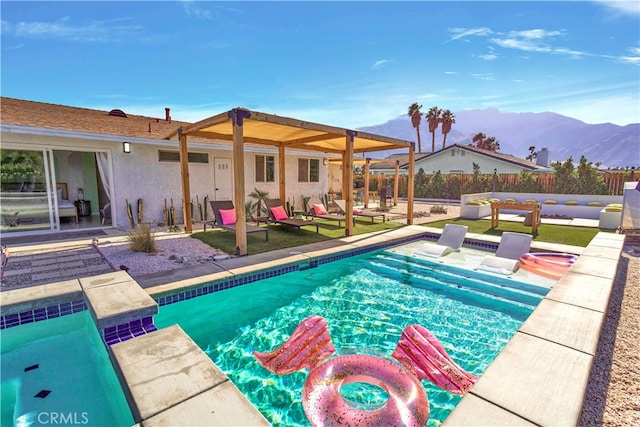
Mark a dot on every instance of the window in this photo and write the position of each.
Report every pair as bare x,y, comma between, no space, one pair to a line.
174,156
308,170
265,168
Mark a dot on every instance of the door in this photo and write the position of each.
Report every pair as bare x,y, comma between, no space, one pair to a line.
27,203
222,179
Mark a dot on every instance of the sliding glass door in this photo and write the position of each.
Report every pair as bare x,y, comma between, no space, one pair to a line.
26,196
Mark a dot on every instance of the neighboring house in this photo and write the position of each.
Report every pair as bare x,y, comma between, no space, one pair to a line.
459,159
46,147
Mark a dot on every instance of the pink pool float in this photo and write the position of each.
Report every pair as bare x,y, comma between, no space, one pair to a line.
418,355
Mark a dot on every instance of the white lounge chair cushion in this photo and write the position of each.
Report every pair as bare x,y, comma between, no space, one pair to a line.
513,245
507,258
496,264
450,240
434,250
453,236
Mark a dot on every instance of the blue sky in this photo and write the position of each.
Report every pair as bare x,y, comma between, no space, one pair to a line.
348,64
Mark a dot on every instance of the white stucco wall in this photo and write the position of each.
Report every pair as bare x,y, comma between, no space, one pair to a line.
140,174
457,160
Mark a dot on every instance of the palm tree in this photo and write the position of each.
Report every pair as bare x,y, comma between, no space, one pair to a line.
416,118
448,119
260,196
485,143
492,144
433,118
478,140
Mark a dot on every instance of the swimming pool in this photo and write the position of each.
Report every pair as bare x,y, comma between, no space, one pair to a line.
367,301
58,372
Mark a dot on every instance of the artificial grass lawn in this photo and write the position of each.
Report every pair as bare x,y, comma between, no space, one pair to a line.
287,237
561,234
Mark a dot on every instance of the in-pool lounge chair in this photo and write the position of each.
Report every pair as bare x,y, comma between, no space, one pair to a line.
316,209
278,215
507,258
450,240
342,204
225,217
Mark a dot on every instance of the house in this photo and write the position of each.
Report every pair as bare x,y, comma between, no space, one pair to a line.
61,165
459,159
66,168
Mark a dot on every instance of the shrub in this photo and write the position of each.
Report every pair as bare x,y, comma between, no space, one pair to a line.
438,209
142,239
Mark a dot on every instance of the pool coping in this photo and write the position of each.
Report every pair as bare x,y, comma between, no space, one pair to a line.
559,338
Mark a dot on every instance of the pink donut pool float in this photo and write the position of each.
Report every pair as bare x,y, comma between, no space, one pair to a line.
418,356
324,405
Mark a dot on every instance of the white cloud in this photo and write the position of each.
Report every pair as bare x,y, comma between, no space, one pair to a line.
488,56
191,8
484,76
633,58
627,7
379,64
94,31
460,33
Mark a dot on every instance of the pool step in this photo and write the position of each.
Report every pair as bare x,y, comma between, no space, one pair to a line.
459,283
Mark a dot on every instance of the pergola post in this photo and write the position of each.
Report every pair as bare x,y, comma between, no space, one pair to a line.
396,183
366,182
237,116
281,174
410,182
186,189
347,162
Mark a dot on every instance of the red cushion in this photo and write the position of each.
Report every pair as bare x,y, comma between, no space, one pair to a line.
228,216
357,211
279,214
319,209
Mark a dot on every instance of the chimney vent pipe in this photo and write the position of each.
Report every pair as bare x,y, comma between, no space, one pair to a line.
167,114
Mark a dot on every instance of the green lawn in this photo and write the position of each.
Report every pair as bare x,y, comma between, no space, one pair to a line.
286,237
561,234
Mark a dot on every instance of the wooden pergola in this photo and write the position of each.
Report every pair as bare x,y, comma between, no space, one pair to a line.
366,162
240,126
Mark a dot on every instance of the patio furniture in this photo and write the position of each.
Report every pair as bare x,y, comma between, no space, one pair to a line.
515,206
316,209
105,213
360,213
278,215
507,258
450,240
224,213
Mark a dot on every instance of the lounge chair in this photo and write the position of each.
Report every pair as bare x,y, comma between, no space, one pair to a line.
316,209
507,258
278,215
225,217
450,240
342,204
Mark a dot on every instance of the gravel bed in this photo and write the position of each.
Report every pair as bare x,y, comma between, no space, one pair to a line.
173,252
613,394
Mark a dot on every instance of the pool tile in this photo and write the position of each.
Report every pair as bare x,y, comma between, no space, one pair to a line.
595,266
565,324
223,405
162,369
475,412
538,380
583,290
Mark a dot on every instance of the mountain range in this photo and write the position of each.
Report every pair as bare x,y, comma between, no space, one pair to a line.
608,144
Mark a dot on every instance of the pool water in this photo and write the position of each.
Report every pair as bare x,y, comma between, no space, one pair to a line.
367,301
57,372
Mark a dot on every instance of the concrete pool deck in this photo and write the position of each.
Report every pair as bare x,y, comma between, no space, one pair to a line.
539,378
